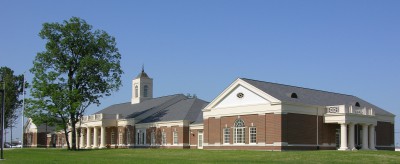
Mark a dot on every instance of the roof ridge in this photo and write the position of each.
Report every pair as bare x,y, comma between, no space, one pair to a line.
191,107
297,87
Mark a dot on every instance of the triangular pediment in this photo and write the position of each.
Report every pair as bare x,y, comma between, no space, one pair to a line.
241,93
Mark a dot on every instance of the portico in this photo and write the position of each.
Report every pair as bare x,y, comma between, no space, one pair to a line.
93,127
348,117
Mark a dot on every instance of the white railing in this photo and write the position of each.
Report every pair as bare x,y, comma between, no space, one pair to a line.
99,117
342,109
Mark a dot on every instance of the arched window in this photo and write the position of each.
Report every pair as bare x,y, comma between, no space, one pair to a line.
136,91
145,89
293,95
358,104
239,131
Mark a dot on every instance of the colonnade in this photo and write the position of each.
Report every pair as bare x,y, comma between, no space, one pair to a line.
92,142
347,141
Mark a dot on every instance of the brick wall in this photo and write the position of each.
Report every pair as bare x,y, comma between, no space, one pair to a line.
384,134
193,138
301,129
273,128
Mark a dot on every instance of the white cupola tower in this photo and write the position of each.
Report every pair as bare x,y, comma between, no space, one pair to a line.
142,88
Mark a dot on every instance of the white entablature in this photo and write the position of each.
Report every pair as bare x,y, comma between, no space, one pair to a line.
350,114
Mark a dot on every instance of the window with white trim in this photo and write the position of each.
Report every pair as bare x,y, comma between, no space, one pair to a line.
239,132
112,137
153,138
128,136
141,135
120,138
175,138
253,135
227,135
163,138
143,139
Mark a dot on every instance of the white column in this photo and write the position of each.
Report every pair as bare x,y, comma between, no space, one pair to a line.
351,137
76,137
82,145
88,138
372,137
95,140
103,137
343,137
70,137
365,137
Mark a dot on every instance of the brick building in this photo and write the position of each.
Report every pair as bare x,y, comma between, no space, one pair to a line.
249,114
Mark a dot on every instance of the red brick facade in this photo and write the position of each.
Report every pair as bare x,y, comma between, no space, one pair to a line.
292,131
273,132
385,136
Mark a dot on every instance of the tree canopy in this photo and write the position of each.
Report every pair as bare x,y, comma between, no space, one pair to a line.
79,67
13,91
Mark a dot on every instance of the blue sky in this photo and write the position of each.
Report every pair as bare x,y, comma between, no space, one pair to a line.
200,47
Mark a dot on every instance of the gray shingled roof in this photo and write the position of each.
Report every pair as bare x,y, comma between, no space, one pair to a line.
311,96
167,108
187,109
128,110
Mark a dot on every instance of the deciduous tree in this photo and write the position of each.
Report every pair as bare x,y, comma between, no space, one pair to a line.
13,91
79,67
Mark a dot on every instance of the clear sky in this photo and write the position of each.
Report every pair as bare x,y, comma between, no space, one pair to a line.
200,47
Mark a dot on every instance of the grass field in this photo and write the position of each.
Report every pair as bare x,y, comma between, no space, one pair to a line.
150,156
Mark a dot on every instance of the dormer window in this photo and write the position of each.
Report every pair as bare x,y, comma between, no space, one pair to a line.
358,104
294,96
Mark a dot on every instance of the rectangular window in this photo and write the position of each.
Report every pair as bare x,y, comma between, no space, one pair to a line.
239,135
120,139
253,134
112,138
164,138
143,138
175,138
137,138
153,138
227,135
128,137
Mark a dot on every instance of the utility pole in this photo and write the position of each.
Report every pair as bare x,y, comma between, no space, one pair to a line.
2,114
23,109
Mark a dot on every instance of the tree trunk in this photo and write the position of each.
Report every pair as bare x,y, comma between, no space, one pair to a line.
66,137
73,133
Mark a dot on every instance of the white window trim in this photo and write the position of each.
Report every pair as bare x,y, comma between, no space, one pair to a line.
252,143
173,138
227,143
153,138
112,138
128,137
120,139
235,139
163,138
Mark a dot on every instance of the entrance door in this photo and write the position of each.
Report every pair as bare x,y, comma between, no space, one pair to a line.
200,140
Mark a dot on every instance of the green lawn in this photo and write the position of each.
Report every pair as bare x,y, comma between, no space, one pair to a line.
150,156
